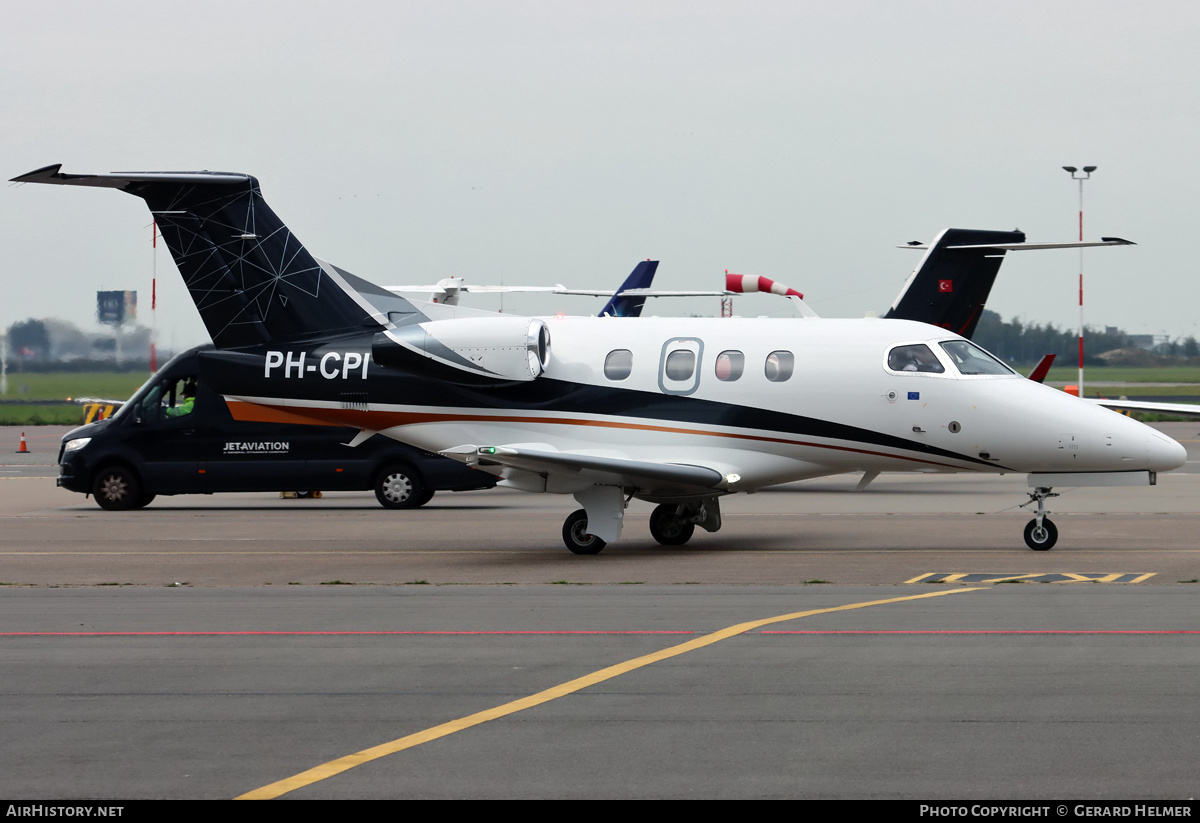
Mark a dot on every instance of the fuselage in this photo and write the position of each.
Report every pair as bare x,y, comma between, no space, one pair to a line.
764,400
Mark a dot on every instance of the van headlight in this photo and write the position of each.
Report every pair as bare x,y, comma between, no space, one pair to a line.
76,444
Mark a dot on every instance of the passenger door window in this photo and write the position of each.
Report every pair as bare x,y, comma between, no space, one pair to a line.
678,371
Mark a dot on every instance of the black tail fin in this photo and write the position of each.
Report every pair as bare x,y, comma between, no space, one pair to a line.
950,286
249,276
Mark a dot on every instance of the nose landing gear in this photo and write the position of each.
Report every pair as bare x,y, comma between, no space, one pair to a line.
1040,533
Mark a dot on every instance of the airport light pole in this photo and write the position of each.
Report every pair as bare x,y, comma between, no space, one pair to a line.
1075,175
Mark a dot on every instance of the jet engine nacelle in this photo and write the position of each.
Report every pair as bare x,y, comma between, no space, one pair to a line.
471,350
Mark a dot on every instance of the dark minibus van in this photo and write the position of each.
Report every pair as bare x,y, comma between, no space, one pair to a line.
176,436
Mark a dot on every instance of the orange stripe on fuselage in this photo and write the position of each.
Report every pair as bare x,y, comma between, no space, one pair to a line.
380,420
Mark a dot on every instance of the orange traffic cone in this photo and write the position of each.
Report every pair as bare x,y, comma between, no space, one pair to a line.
23,449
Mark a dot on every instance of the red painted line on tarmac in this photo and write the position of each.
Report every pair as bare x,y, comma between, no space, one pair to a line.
1001,631
313,633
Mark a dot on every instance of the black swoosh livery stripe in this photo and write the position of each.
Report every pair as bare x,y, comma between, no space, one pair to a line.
241,375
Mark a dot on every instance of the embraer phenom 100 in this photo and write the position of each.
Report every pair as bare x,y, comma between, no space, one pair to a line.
679,412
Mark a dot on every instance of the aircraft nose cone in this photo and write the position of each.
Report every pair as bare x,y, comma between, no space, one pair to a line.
1164,453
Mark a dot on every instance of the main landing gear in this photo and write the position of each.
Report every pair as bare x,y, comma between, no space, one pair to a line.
577,537
671,524
1040,533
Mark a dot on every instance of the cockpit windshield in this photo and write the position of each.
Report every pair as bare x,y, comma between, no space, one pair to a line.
969,359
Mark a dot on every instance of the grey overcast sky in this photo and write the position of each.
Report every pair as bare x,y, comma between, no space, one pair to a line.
542,142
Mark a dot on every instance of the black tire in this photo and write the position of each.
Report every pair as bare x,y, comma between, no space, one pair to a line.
117,488
399,487
1041,540
144,501
668,528
576,536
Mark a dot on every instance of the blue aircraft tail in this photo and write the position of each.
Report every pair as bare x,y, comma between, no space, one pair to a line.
640,278
250,277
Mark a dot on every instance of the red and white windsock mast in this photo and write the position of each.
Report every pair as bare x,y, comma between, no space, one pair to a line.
748,283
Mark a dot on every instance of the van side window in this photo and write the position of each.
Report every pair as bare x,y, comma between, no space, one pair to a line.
730,365
779,366
618,364
180,399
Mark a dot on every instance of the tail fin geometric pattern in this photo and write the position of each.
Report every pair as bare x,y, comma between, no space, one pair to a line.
250,277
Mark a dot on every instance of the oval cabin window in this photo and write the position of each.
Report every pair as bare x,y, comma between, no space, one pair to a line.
618,364
730,365
779,366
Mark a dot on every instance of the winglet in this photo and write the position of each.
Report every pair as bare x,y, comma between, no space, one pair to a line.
1040,371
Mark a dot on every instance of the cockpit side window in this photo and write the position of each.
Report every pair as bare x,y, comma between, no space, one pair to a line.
915,357
970,359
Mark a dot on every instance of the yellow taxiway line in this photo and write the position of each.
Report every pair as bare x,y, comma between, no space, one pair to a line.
342,764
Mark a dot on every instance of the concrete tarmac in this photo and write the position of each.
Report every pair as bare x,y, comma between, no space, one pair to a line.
213,646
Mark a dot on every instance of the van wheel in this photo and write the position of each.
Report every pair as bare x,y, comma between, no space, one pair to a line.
118,489
399,487
145,500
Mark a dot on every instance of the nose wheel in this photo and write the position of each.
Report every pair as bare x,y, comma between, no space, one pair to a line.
1040,533
1041,538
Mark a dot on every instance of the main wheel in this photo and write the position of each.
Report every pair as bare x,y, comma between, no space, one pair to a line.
576,536
668,528
117,489
399,487
1043,539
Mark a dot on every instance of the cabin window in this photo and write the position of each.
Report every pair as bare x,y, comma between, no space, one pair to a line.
917,357
730,365
970,359
779,366
618,364
680,365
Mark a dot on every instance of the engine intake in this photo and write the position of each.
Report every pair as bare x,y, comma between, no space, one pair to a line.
472,350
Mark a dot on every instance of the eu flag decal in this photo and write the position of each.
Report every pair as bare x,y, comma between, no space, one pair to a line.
914,395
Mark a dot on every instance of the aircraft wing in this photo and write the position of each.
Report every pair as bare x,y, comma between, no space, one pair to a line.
483,289
530,465
1150,406
666,293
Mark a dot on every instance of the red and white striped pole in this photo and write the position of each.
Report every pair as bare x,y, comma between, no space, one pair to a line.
1087,174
